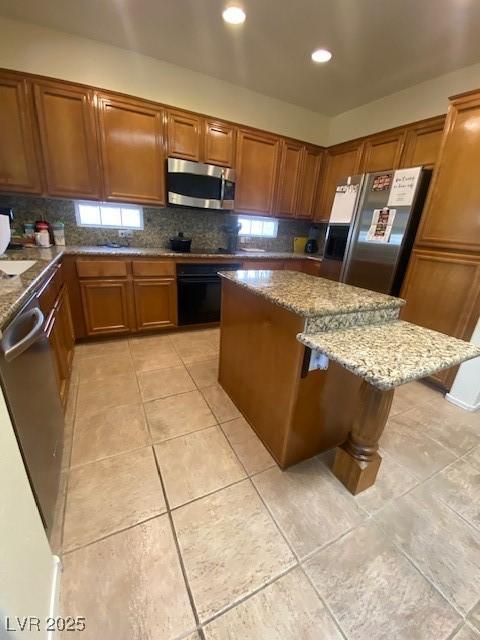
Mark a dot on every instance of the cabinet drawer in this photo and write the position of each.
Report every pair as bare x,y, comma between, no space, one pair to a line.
264,264
101,268
149,268
49,291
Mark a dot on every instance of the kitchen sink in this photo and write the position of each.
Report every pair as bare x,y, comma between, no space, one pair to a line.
15,267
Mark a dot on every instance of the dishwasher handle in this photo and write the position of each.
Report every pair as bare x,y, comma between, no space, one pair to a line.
12,351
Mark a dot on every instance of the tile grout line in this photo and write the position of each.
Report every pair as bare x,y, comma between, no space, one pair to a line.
324,602
114,533
247,597
179,551
419,571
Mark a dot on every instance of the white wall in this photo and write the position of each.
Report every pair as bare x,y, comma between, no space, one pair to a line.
34,49
465,391
415,103
26,562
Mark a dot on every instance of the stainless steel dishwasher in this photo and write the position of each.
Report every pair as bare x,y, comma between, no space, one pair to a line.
27,377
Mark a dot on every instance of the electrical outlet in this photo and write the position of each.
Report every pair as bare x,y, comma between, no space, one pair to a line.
125,233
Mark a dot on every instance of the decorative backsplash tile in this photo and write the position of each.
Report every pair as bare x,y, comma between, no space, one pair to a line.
160,224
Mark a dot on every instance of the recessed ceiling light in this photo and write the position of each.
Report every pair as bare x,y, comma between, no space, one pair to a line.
234,15
321,55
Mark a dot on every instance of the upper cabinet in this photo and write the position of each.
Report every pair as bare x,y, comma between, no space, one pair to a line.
422,143
309,178
132,149
289,178
19,169
68,139
219,143
184,135
340,161
452,218
257,162
383,151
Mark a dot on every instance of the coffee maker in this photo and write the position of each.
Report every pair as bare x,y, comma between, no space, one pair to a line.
311,246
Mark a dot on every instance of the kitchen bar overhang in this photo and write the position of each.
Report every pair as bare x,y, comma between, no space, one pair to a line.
312,364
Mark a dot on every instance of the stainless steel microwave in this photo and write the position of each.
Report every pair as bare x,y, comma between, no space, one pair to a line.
195,184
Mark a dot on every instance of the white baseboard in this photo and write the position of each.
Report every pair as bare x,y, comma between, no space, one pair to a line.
460,403
55,591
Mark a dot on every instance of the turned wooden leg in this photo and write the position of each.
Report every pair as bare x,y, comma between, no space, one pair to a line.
357,461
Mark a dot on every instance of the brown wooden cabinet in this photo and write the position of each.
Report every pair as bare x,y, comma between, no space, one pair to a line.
184,135
442,291
422,143
383,151
155,303
106,306
219,143
264,264
340,161
68,139
131,139
19,170
54,303
59,330
451,219
308,184
288,178
256,164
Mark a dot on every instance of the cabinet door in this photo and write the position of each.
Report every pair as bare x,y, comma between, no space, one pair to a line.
257,164
53,331
312,267
106,306
219,143
442,291
340,161
19,169
155,303
68,335
451,219
308,185
184,135
288,178
422,144
68,139
131,136
382,152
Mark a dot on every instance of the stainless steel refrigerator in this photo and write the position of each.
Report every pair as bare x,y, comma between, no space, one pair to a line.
383,229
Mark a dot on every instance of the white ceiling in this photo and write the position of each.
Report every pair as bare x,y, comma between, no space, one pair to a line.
379,46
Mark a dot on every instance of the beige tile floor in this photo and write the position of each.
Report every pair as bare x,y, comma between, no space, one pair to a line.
174,521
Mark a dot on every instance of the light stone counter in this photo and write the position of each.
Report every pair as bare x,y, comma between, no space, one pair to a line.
392,353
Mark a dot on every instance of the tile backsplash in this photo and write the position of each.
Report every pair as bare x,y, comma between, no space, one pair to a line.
160,224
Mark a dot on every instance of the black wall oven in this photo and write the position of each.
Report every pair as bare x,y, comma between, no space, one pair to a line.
199,292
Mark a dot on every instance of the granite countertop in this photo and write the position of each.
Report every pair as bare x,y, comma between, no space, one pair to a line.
392,353
15,291
311,296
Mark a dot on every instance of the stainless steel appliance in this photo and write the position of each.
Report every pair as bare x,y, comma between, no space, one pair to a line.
383,230
199,292
28,380
195,184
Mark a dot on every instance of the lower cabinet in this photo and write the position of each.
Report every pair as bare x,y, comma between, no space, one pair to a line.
59,330
155,303
442,291
107,306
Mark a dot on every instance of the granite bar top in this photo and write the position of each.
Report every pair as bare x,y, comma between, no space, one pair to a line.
311,296
14,292
392,353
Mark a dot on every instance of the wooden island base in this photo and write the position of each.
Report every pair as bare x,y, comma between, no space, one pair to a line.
357,461
297,414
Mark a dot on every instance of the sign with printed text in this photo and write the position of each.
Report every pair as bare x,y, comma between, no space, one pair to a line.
403,189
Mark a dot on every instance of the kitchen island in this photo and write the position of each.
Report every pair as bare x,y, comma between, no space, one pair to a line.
312,364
